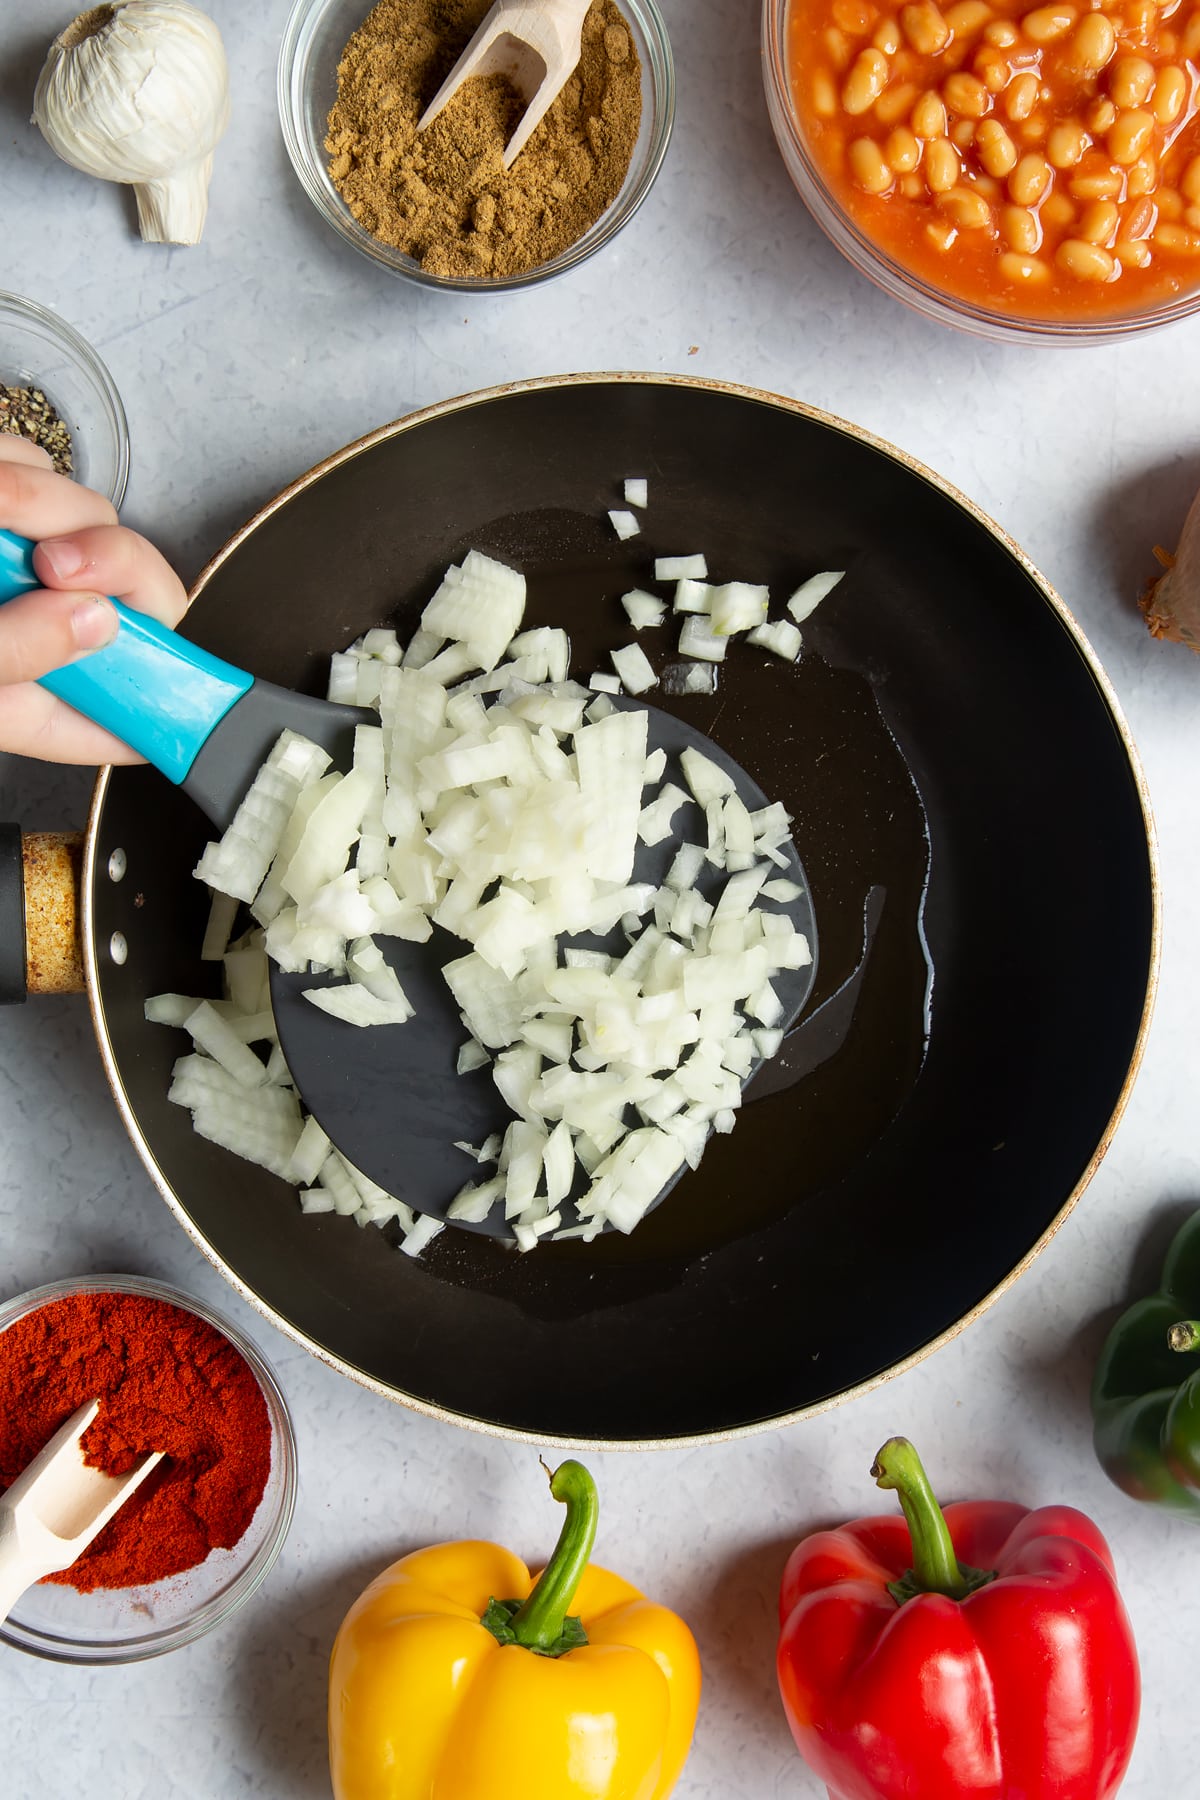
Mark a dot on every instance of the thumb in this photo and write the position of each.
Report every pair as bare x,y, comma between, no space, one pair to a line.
44,630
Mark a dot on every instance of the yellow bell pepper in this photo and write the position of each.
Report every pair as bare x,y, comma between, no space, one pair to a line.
441,1690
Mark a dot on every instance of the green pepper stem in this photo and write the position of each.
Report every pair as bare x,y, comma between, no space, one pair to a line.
538,1624
935,1567
1185,1335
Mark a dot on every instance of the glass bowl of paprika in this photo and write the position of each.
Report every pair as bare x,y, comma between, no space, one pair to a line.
437,206
202,1533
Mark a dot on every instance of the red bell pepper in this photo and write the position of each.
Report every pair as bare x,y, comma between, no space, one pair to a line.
982,1653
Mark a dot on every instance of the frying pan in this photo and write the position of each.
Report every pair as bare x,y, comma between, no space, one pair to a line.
973,822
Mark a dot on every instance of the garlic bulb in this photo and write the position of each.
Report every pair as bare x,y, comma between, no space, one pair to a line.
138,91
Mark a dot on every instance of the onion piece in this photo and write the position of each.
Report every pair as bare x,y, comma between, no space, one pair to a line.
625,524
637,491
809,595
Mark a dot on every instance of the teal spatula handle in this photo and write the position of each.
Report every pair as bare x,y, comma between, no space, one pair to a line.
158,693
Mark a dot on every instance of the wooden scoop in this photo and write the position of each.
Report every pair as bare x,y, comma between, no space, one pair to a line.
54,1509
536,44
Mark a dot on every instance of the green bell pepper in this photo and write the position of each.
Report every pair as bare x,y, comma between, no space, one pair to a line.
1146,1392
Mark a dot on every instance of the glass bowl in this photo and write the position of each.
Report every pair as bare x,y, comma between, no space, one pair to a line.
316,35
118,1625
38,349
901,283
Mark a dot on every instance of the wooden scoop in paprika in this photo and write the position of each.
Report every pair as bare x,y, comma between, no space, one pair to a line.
56,1506
536,44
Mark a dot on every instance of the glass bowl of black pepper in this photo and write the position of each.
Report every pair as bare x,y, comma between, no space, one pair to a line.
55,390
395,196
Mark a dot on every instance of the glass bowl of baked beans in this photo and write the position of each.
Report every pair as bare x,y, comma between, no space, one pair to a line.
1012,170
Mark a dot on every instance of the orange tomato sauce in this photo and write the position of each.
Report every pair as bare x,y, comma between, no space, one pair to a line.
1041,161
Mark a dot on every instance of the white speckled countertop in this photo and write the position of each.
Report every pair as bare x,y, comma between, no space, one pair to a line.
241,363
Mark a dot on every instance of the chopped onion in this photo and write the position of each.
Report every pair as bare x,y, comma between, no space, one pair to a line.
680,568
695,639
644,610
634,668
781,638
637,491
624,523
809,595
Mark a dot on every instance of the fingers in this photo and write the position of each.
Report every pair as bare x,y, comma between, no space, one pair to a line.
110,559
41,631
21,449
34,723
37,503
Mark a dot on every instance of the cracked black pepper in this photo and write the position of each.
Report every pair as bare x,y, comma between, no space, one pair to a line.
26,412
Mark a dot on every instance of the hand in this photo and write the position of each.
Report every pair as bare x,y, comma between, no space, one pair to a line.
83,556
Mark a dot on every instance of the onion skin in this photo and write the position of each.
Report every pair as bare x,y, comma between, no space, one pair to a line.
1171,604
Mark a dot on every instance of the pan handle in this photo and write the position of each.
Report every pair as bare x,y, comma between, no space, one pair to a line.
159,693
40,949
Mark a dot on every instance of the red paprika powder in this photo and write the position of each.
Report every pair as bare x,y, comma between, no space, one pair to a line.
166,1380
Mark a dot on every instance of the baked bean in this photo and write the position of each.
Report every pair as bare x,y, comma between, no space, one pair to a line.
1131,254
838,48
1131,134
962,134
886,38
1033,129
1142,18
912,187
1177,237
993,69
868,167
991,190
967,16
1020,228
969,211
997,152
1137,221
1022,97
1095,184
1170,92
855,16
942,167
1046,24
1170,204
929,116
1098,222
1067,141
902,150
1093,43
1086,262
1189,186
1190,42
924,27
1030,179
865,82
965,96
895,103
1143,176
1023,269
824,95
1131,81
942,235
1101,116
1058,211
1192,216
1000,33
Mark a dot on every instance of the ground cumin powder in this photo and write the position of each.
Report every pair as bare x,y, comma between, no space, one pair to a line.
443,195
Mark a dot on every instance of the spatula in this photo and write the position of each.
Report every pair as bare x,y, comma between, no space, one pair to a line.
536,44
57,1506
389,1096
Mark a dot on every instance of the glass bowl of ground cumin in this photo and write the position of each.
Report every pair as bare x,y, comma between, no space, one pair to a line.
55,390
204,1530
438,207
